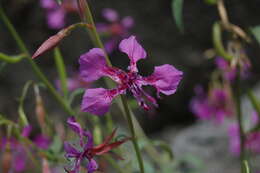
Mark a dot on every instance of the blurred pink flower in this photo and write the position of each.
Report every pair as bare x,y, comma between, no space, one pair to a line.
252,142
115,28
230,72
216,105
56,14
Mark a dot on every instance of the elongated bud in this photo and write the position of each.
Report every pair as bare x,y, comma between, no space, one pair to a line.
54,40
39,110
50,43
82,9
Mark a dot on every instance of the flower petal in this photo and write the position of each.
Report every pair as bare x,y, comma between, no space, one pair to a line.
92,64
97,101
92,166
128,22
90,142
48,4
42,141
56,18
76,128
134,51
165,79
20,161
70,150
26,131
110,14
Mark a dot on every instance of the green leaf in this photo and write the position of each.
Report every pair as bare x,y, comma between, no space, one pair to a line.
23,119
256,32
177,6
165,147
245,167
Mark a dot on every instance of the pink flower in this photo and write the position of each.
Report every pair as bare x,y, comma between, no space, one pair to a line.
216,105
87,149
231,72
252,141
18,151
56,13
115,27
165,78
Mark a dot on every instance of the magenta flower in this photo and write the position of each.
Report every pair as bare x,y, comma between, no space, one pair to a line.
56,13
230,72
115,28
252,141
216,105
165,78
88,150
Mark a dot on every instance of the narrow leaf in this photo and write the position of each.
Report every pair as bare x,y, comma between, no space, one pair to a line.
177,6
22,115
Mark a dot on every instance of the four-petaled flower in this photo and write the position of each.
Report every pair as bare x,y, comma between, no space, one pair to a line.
115,29
88,150
56,13
165,78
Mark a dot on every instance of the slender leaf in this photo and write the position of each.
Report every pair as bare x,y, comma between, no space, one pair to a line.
177,7
22,115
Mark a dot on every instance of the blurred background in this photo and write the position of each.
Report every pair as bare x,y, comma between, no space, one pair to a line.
155,28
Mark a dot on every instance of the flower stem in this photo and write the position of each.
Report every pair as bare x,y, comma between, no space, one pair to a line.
240,119
97,42
132,130
34,66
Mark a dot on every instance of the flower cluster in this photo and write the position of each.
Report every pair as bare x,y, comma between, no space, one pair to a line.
56,14
16,151
164,79
217,104
88,151
230,72
115,28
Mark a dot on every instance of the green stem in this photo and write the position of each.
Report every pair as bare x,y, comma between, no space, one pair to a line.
254,101
132,130
62,71
240,119
217,41
34,66
11,59
94,34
